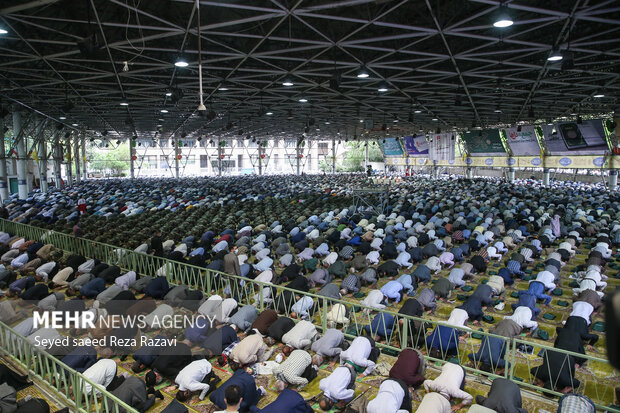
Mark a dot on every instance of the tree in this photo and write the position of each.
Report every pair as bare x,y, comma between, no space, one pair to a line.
356,152
112,161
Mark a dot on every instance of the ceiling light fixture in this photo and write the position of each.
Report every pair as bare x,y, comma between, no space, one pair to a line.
222,88
288,82
383,87
362,73
3,31
124,103
168,94
503,18
555,55
303,100
74,124
435,119
269,113
598,94
417,111
164,111
62,117
181,62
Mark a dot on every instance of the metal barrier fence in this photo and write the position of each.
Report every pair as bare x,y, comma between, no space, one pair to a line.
397,331
68,384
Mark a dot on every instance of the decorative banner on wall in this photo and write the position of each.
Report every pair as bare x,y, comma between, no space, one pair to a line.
484,142
524,142
392,147
416,145
441,147
571,138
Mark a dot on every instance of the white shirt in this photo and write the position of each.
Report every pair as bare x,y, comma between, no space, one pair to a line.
190,378
523,317
335,385
220,246
358,354
301,335
403,259
458,316
125,280
582,309
434,264
330,259
87,266
302,306
265,276
45,269
547,278
449,383
102,373
434,403
376,243
20,260
228,305
374,299
388,399
262,254
372,257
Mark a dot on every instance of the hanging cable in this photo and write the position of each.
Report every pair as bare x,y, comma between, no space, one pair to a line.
201,107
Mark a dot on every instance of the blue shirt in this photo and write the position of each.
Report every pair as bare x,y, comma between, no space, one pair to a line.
288,401
392,290
249,392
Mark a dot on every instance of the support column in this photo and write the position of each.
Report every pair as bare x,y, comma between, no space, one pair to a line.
613,179
4,188
76,156
219,157
43,165
132,154
298,153
366,157
83,142
57,154
69,159
260,158
511,174
546,176
176,158
333,155
22,184
470,173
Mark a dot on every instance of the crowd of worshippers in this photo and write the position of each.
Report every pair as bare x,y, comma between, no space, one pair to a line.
425,229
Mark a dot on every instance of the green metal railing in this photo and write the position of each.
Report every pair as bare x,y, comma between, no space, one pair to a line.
68,384
406,331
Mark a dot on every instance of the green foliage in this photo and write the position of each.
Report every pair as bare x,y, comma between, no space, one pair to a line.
356,151
112,161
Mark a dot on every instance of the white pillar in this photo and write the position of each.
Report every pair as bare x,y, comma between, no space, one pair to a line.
219,157
298,153
83,142
176,158
366,157
260,158
43,164
470,173
511,174
4,189
333,155
69,160
22,184
546,177
76,156
57,154
613,179
132,153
